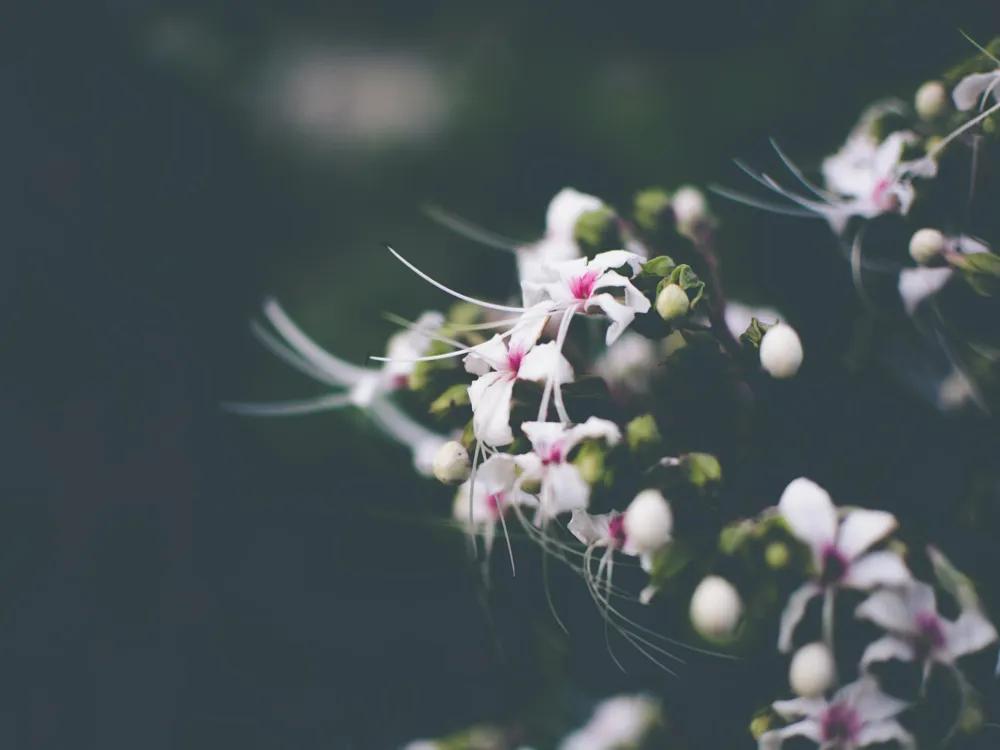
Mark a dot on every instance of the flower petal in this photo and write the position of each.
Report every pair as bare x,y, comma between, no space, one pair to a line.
496,474
877,569
773,740
593,429
792,614
970,633
869,701
860,529
545,362
616,259
968,91
529,327
886,648
621,315
563,490
543,434
885,731
809,512
491,409
590,529
492,354
917,284
796,708
888,609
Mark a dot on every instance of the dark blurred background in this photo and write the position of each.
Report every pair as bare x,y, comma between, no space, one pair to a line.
174,577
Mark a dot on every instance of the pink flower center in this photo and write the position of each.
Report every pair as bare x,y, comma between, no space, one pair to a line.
835,566
399,382
616,530
930,635
553,455
514,359
495,503
882,198
581,287
840,724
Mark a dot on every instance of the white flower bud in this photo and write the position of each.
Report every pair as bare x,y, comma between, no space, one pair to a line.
451,463
932,100
648,522
926,244
565,210
781,351
716,608
672,302
689,206
812,670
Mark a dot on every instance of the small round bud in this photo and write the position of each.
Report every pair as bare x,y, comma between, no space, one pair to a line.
781,351
716,608
672,302
648,522
776,555
690,208
932,100
926,244
812,670
451,463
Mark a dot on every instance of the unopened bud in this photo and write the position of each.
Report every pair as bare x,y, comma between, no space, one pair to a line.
759,725
690,208
716,608
565,209
672,302
776,555
781,351
926,244
642,431
812,670
451,463
648,522
590,462
932,101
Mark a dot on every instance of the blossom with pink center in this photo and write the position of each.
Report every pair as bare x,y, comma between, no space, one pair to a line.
563,487
839,550
917,632
579,286
501,364
481,502
859,715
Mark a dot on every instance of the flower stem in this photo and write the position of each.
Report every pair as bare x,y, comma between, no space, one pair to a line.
703,239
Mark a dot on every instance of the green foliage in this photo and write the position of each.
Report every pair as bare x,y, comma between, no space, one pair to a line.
651,207
750,338
597,231
980,270
457,395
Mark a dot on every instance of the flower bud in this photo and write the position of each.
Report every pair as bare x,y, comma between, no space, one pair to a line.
926,244
566,208
932,101
781,351
451,463
642,431
648,522
690,208
716,608
812,670
776,555
672,302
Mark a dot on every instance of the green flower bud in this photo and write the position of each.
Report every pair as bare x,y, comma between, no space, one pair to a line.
776,555
590,462
702,469
672,303
451,463
642,431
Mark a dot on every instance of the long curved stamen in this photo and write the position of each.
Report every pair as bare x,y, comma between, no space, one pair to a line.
446,355
762,205
823,194
292,358
543,408
472,231
955,133
290,408
452,292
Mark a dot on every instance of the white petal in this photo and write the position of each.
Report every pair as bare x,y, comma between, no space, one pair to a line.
888,609
971,245
529,327
796,708
869,701
890,151
590,529
496,474
563,490
885,731
886,648
967,92
773,740
877,569
620,315
491,409
970,633
565,210
860,529
809,512
543,434
530,465
616,259
492,352
917,284
545,362
794,609
593,429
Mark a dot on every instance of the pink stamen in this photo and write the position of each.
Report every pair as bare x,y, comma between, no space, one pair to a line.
581,287
554,455
495,503
880,196
840,723
929,631
514,359
616,530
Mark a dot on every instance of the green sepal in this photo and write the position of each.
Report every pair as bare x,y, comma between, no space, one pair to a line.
685,277
751,337
659,267
980,270
455,396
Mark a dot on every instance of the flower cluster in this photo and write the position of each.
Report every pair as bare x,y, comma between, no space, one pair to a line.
575,414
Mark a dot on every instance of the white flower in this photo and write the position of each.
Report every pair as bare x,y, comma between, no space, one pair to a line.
781,351
619,722
559,243
648,522
690,208
931,100
977,88
858,715
481,503
916,632
499,365
627,365
812,670
838,550
716,608
563,488
451,463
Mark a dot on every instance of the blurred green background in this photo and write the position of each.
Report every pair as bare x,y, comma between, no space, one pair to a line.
176,577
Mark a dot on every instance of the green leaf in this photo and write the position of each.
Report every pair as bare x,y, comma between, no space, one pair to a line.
701,469
659,267
456,395
669,563
952,580
981,271
650,207
751,337
597,231
642,431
